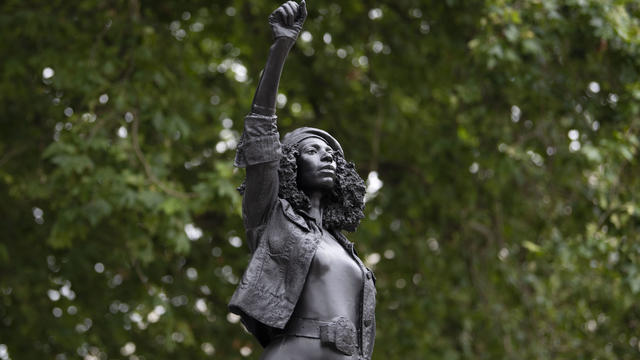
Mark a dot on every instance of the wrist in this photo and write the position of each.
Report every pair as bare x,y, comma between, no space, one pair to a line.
263,110
284,41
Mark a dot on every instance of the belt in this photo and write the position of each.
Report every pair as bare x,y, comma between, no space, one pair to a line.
340,332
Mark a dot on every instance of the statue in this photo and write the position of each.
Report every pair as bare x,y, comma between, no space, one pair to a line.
305,293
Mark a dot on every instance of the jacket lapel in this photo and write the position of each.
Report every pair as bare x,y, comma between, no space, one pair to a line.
293,216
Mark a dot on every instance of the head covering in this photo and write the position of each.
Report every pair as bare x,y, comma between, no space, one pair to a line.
302,133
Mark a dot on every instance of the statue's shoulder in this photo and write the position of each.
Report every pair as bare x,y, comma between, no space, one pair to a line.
292,214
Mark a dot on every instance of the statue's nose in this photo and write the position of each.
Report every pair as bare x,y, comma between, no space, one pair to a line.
326,157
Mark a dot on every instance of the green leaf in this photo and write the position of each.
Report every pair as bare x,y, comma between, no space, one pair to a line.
534,248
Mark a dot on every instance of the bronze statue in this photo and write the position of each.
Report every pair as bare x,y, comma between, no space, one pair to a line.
305,293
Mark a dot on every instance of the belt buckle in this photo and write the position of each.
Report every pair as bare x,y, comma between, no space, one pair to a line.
340,332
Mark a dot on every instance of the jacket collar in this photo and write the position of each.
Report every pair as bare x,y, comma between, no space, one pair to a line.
293,216
342,239
298,218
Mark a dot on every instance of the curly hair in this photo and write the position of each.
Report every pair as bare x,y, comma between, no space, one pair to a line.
344,205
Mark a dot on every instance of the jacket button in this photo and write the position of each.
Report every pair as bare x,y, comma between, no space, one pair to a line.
368,275
367,323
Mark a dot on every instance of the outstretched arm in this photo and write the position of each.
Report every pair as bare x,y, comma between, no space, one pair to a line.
286,24
259,149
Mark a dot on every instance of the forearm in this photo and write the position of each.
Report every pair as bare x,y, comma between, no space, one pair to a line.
264,100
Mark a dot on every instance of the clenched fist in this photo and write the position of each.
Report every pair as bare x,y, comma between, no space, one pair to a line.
287,20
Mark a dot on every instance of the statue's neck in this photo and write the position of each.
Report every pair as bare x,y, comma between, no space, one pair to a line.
316,207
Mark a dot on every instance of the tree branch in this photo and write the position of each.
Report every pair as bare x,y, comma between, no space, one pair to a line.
147,168
11,153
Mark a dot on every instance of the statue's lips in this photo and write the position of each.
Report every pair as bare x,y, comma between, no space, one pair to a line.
327,170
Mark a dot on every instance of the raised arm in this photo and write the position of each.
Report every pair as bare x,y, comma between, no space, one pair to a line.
259,148
286,24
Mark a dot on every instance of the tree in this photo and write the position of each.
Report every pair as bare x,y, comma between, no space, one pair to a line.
505,134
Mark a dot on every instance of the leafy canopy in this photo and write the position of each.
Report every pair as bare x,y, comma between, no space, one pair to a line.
499,137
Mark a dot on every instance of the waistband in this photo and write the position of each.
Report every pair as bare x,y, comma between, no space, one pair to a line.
339,332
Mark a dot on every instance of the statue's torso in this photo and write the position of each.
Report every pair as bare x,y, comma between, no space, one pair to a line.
333,288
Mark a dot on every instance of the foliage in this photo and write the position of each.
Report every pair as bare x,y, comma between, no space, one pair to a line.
505,132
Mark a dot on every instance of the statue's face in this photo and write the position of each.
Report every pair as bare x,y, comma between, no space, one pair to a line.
316,166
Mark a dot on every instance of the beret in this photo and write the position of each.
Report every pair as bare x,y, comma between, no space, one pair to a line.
302,133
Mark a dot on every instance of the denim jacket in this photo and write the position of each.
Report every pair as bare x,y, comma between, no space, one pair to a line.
282,244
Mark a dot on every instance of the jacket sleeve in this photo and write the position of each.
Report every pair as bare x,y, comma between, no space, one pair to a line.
259,151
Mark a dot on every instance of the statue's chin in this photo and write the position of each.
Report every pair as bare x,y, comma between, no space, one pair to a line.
320,183
323,186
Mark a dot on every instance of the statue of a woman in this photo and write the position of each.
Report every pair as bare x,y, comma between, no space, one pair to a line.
305,293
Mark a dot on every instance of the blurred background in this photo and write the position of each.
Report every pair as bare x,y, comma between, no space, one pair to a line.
498,138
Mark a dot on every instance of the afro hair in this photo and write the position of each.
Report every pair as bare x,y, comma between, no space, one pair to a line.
342,208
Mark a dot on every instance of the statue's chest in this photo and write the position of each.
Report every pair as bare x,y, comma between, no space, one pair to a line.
332,263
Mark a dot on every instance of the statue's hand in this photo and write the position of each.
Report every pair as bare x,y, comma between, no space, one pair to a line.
287,20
